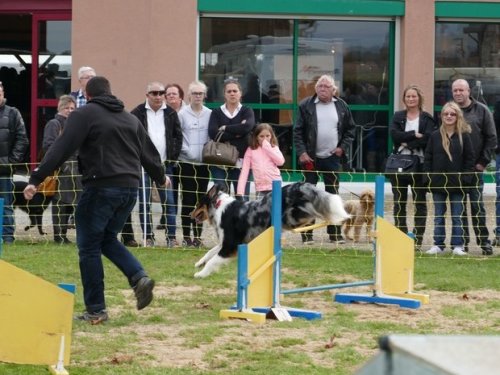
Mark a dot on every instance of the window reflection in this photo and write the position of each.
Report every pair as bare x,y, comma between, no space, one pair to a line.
257,52
54,63
260,54
469,51
357,57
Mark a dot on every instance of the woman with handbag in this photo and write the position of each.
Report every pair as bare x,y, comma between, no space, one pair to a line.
410,131
235,121
70,185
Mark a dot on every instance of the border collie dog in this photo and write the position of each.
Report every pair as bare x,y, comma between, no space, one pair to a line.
236,222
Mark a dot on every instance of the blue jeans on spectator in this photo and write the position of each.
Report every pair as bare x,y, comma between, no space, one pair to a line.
7,193
100,215
227,176
169,204
146,220
497,200
457,210
477,212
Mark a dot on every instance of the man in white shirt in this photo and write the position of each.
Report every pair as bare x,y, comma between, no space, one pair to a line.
163,127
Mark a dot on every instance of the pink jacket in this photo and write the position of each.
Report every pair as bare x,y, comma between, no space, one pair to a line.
263,162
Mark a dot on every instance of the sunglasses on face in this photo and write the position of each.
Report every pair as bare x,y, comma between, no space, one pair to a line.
452,114
156,93
197,93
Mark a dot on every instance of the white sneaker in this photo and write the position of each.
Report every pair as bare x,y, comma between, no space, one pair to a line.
435,250
459,250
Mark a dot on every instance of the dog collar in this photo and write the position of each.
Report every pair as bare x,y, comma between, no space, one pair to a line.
217,203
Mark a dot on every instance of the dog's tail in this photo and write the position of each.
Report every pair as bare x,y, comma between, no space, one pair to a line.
331,207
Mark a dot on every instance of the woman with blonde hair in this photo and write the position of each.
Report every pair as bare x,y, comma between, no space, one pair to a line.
449,161
410,131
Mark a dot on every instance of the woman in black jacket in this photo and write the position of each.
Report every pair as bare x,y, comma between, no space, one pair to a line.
410,132
236,122
449,159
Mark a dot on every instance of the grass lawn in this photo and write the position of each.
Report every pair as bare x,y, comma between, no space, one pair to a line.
181,333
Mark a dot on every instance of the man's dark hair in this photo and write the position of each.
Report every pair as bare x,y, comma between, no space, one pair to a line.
97,86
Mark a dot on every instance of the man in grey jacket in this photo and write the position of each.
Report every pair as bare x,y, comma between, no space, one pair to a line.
13,146
484,141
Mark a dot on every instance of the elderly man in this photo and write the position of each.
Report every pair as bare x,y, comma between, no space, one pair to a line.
323,133
85,73
484,140
162,124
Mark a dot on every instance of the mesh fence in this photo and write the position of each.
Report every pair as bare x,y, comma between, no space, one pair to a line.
406,203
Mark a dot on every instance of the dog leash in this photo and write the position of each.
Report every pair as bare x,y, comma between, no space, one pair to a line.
350,192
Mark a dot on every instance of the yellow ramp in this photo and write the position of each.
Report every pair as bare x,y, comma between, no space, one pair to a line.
260,270
395,262
34,314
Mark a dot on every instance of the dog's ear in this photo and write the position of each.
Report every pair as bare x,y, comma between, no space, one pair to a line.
222,187
213,191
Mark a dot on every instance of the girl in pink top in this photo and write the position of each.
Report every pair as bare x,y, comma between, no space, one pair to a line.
263,157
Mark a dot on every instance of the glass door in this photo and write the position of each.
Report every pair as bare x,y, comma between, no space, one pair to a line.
51,71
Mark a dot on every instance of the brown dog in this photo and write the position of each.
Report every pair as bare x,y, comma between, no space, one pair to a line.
362,212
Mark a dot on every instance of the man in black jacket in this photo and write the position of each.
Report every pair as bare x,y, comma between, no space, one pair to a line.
13,146
496,116
484,142
322,135
112,146
162,124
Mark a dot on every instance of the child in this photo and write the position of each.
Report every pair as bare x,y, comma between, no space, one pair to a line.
450,158
263,157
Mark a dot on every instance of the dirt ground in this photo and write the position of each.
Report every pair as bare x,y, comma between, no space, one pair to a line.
164,345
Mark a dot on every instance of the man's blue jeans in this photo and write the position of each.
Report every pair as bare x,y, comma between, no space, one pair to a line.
6,192
100,215
166,196
457,211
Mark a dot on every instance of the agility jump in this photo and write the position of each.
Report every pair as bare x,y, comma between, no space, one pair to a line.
259,275
259,271
393,265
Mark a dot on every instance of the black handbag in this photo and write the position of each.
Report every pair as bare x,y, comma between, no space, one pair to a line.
219,153
402,163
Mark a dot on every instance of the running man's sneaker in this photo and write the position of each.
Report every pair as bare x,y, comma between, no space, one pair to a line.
143,291
96,317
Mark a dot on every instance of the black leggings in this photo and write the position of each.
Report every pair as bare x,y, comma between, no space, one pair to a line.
193,182
400,191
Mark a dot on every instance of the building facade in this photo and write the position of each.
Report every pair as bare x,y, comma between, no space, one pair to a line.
373,48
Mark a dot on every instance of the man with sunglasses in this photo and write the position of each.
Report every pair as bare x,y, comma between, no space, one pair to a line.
484,141
164,129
